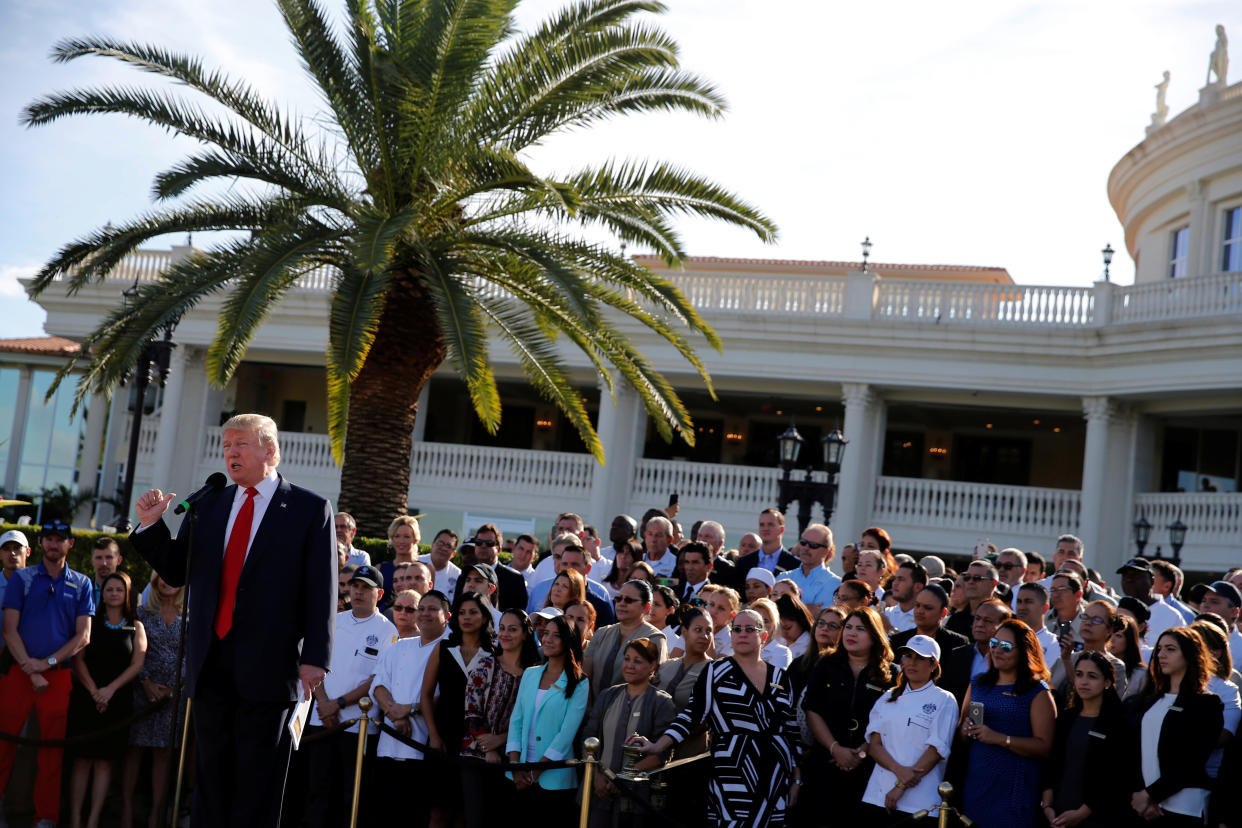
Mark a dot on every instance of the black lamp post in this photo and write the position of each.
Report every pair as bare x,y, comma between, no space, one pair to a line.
808,490
1177,537
1107,253
154,363
866,251
1142,531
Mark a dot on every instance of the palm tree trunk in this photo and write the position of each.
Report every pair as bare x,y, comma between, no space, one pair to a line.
383,404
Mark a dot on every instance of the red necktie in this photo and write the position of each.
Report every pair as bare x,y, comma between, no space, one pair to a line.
234,557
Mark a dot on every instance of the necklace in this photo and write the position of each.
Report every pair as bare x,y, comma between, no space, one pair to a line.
112,626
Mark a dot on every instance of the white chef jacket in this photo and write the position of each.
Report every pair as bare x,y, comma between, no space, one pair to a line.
919,719
357,646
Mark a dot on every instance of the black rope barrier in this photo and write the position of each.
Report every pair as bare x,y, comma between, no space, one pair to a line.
69,741
440,756
324,732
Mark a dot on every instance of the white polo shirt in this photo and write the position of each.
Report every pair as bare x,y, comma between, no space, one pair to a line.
901,620
400,672
917,720
446,579
356,649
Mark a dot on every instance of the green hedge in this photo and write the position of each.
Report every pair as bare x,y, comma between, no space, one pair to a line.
79,557
380,550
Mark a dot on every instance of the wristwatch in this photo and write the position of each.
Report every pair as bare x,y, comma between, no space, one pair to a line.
51,661
1008,741
340,701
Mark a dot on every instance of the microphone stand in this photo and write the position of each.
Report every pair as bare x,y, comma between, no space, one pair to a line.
188,525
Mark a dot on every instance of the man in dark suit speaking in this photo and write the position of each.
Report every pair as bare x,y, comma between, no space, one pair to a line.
262,609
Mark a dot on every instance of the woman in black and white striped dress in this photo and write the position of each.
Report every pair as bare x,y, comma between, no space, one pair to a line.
748,707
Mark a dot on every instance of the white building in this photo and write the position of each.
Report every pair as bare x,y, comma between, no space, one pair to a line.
974,407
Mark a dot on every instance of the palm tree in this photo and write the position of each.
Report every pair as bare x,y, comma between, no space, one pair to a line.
419,198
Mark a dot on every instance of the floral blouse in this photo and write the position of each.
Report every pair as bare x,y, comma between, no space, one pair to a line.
490,694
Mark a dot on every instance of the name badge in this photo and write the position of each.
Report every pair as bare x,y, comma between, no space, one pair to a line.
1175,709
873,687
1096,735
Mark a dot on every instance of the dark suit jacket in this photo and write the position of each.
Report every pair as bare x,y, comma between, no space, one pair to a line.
724,572
785,562
1188,736
1112,753
510,589
955,671
285,610
947,639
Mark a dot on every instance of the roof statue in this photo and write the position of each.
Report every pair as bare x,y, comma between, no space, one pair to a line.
1218,63
1162,109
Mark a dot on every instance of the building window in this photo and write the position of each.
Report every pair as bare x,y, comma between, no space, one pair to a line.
1231,258
1180,245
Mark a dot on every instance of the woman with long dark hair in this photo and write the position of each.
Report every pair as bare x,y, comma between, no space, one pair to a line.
1086,775
1126,644
567,587
627,554
551,701
795,624
1180,723
853,594
1221,684
491,691
1014,733
678,677
840,693
443,699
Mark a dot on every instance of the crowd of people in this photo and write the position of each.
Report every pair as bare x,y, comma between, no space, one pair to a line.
1042,695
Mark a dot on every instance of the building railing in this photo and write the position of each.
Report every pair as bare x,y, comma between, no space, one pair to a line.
497,470
752,293
707,485
1179,298
1212,518
981,507
948,302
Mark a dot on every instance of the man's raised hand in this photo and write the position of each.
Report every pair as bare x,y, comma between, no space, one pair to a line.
151,505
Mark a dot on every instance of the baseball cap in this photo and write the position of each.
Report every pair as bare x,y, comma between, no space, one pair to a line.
922,645
1135,606
934,566
1137,564
368,575
487,572
14,536
1227,591
56,526
549,613
758,573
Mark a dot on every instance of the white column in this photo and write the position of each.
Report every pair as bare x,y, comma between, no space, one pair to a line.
92,449
118,422
863,429
622,429
170,419
420,421
1098,412
859,300
21,411
1200,258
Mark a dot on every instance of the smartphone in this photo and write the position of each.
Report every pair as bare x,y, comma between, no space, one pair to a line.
976,713
1064,628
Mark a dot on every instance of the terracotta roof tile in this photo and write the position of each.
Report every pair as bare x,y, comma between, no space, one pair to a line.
852,265
43,345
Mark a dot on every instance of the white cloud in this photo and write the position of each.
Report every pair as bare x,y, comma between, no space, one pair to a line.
21,316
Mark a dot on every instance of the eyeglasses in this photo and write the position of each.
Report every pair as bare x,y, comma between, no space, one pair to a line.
974,579
400,608
1094,620
1003,646
825,625
625,599
812,544
745,630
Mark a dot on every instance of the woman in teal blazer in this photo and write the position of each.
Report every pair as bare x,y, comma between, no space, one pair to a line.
551,701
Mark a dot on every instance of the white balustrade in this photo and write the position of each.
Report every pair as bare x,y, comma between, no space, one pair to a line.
976,507
958,302
753,293
499,470
1179,298
1212,518
706,485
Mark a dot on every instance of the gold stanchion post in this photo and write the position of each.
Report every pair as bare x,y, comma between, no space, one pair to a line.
590,758
365,704
185,738
945,790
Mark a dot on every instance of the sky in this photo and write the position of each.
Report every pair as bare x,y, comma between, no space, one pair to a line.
969,133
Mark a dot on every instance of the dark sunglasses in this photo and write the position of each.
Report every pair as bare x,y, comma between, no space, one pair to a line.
487,543
974,579
625,599
399,608
697,602
1009,565
812,544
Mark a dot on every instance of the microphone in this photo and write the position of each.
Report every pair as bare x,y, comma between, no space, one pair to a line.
215,482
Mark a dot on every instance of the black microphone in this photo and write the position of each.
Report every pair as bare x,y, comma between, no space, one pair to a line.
215,482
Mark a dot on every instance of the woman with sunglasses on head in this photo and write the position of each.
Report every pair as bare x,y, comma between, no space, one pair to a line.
491,691
747,706
551,702
1086,777
1180,724
634,706
1015,733
472,636
677,677
840,693
606,652
909,735
663,616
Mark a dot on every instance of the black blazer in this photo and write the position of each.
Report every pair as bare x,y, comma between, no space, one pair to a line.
285,611
1112,753
1225,806
510,588
947,639
1188,736
785,562
724,572
955,671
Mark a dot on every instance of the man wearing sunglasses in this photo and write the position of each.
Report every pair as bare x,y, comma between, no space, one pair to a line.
816,581
964,663
980,584
511,589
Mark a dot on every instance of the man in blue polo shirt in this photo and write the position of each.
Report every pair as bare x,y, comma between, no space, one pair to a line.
47,620
817,583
